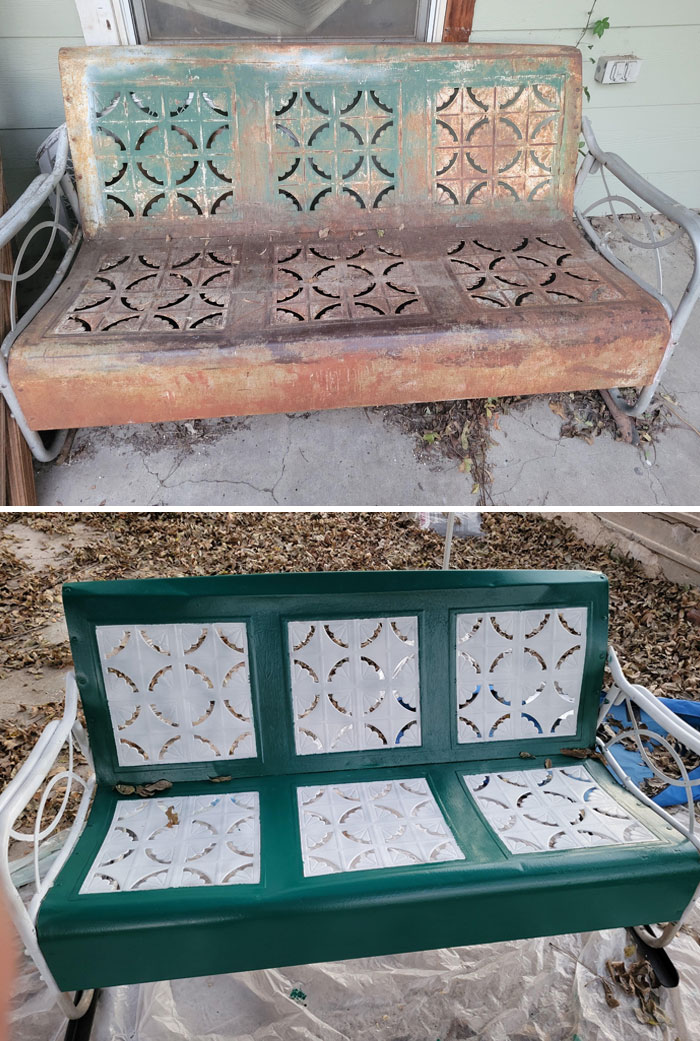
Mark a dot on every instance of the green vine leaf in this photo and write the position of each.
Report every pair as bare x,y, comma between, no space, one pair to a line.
599,27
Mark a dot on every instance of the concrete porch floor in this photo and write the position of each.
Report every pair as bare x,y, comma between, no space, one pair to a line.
352,457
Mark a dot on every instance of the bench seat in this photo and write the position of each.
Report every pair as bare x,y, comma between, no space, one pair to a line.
207,326
626,866
297,768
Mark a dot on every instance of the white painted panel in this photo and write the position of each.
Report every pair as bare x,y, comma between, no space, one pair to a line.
519,673
355,684
368,825
178,693
194,840
535,811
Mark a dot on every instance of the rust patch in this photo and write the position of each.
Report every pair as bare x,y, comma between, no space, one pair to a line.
326,267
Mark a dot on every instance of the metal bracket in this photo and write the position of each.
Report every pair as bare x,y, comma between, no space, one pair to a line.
664,969
80,1029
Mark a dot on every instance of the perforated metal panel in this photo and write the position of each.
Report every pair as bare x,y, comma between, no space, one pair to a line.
381,824
519,673
385,135
355,684
496,142
178,693
195,840
164,151
535,811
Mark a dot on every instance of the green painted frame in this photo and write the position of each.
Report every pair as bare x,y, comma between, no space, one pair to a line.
114,938
268,602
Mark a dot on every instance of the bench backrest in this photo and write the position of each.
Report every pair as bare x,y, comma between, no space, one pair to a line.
348,136
276,674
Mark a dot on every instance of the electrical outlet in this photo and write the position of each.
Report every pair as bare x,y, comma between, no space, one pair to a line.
618,68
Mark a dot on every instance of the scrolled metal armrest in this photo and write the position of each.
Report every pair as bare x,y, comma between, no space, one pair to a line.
623,690
57,735
15,218
641,187
657,711
600,160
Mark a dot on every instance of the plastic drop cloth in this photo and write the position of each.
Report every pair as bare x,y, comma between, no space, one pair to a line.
526,990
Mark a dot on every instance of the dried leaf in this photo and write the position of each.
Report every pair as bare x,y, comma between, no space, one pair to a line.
581,753
610,999
152,788
172,816
221,779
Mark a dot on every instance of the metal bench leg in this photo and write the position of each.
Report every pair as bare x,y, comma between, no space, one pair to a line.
651,947
624,420
78,1029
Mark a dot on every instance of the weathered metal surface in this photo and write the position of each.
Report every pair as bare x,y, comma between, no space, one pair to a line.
626,425
276,228
232,326
354,136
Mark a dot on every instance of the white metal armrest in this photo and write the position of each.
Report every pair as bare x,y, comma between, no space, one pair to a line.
599,161
632,693
57,735
11,223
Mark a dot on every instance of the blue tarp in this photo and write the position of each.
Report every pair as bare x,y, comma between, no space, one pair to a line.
632,762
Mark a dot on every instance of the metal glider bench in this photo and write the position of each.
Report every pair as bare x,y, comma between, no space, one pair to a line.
279,228
341,765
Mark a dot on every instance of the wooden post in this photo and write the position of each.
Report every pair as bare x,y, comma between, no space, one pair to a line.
16,470
458,21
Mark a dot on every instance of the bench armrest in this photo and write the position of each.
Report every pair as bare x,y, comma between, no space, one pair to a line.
11,222
59,735
622,691
14,219
599,161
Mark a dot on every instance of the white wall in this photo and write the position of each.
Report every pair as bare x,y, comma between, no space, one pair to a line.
654,123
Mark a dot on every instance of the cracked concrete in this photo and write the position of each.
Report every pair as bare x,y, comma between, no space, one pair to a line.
352,458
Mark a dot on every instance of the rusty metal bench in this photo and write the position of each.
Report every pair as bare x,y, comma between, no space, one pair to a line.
273,228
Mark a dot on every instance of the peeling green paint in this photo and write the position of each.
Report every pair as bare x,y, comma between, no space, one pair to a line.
253,134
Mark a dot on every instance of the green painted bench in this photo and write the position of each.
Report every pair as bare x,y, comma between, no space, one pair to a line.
279,228
351,764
